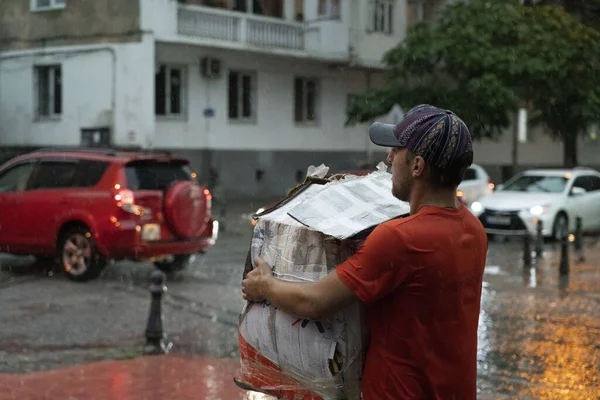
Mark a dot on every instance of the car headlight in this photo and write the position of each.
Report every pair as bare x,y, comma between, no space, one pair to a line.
476,206
538,210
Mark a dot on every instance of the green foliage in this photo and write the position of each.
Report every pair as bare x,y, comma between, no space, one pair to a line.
565,93
462,62
485,58
586,10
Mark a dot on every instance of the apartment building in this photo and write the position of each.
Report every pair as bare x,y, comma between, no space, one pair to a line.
253,91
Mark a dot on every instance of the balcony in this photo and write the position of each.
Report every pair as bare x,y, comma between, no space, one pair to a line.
243,29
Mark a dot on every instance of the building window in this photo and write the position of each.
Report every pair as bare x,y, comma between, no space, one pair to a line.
415,11
241,95
381,13
38,5
305,100
329,9
522,126
169,91
49,91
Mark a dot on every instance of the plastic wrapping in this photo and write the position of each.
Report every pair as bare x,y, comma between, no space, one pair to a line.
290,357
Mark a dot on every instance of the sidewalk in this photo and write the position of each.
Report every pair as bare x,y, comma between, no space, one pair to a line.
145,378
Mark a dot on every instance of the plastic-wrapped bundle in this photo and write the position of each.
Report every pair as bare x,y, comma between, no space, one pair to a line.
291,357
304,238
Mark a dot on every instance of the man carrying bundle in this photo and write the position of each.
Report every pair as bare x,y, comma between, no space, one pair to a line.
420,276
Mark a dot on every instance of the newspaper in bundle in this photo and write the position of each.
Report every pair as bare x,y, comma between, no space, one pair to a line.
347,207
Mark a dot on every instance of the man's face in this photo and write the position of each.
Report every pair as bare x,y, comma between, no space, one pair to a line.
402,173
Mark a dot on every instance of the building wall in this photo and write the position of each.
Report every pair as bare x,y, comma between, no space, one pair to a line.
540,150
369,46
274,127
252,174
102,85
159,17
81,21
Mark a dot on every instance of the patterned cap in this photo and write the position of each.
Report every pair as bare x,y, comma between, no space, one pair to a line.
439,136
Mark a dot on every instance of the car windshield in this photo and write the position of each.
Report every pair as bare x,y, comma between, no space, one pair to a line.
470,175
537,184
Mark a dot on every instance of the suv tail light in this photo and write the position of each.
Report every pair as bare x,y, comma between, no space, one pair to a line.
491,184
208,197
124,197
126,201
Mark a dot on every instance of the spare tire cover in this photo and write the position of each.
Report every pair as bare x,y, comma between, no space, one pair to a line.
185,209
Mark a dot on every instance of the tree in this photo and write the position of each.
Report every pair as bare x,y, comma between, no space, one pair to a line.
565,93
587,10
449,64
484,59
567,96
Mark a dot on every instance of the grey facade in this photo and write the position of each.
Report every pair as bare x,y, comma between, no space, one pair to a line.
82,22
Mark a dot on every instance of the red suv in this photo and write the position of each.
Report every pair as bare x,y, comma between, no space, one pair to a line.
86,206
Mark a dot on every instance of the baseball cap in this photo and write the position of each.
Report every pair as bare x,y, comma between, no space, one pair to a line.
437,135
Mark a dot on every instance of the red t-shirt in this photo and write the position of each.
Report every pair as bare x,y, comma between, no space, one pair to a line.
421,277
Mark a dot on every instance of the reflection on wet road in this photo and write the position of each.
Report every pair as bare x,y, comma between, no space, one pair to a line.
539,334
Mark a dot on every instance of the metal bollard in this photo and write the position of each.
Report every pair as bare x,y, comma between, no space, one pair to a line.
563,268
155,334
527,250
579,246
539,240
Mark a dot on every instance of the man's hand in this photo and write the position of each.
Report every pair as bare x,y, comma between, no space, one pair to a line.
256,284
312,300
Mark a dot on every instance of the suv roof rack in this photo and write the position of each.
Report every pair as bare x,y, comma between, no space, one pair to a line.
98,150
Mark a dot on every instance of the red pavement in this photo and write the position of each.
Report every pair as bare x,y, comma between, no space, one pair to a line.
144,378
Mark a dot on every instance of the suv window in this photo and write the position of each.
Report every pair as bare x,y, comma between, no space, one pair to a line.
15,179
470,174
590,183
67,174
155,175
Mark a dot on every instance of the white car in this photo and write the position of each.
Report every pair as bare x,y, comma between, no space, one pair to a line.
554,197
476,184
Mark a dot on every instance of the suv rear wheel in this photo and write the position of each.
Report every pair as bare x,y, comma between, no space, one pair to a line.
175,263
78,255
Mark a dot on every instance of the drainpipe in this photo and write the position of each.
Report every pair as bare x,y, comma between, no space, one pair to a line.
78,52
368,148
353,34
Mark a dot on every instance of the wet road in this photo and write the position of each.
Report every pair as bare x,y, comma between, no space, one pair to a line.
48,321
539,336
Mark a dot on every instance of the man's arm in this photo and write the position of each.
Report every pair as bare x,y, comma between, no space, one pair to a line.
313,300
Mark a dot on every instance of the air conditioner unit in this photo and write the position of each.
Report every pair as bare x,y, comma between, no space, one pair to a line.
210,67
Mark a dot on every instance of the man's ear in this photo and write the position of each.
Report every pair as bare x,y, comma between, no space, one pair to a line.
418,167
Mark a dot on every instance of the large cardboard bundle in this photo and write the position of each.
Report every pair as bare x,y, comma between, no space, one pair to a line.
304,238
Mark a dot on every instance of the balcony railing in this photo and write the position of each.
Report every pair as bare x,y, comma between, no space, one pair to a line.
238,27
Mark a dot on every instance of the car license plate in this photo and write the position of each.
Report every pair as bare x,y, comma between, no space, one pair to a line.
498,220
151,232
